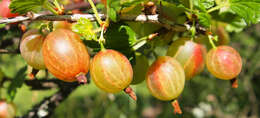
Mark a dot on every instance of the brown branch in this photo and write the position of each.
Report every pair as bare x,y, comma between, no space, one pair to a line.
5,51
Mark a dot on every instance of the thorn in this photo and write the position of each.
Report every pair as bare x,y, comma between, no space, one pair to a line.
131,93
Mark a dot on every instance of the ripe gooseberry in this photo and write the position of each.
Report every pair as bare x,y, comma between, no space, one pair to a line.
7,110
61,25
191,55
5,12
112,72
65,56
31,48
165,79
224,62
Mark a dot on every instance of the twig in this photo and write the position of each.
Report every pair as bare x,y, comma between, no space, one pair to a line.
4,51
75,17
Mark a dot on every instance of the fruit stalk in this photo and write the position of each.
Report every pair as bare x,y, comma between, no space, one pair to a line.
176,106
131,93
234,83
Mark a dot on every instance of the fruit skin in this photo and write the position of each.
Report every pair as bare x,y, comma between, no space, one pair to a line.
7,110
191,55
31,49
5,12
111,71
65,56
62,25
165,78
224,62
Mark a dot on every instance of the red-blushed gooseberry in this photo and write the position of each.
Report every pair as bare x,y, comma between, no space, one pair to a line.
166,79
224,62
5,12
65,55
191,55
111,71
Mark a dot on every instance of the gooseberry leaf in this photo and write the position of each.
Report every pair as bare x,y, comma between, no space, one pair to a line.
249,10
17,82
85,28
24,6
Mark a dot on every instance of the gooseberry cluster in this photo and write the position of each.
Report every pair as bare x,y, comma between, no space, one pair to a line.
66,57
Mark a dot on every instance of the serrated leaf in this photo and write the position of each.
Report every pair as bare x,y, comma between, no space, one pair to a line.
118,39
130,32
17,82
204,19
249,10
24,6
84,27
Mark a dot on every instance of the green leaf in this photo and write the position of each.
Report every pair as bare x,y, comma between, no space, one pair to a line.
130,32
249,10
118,38
204,19
84,27
112,14
171,13
24,6
17,82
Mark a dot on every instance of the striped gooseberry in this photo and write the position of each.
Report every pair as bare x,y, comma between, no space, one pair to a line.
112,72
165,80
224,62
31,48
191,55
65,55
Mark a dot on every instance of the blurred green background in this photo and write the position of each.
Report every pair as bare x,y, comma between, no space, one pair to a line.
203,96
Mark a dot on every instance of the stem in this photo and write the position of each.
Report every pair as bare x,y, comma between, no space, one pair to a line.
211,41
142,40
102,39
50,7
216,8
176,106
33,73
57,5
131,93
191,4
234,83
95,12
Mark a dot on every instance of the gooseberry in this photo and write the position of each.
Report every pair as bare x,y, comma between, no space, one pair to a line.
224,62
65,55
7,110
191,55
31,48
165,79
111,71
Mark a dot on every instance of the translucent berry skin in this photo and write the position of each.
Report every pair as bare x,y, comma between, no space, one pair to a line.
165,78
111,71
224,62
7,110
191,55
31,49
5,12
65,56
